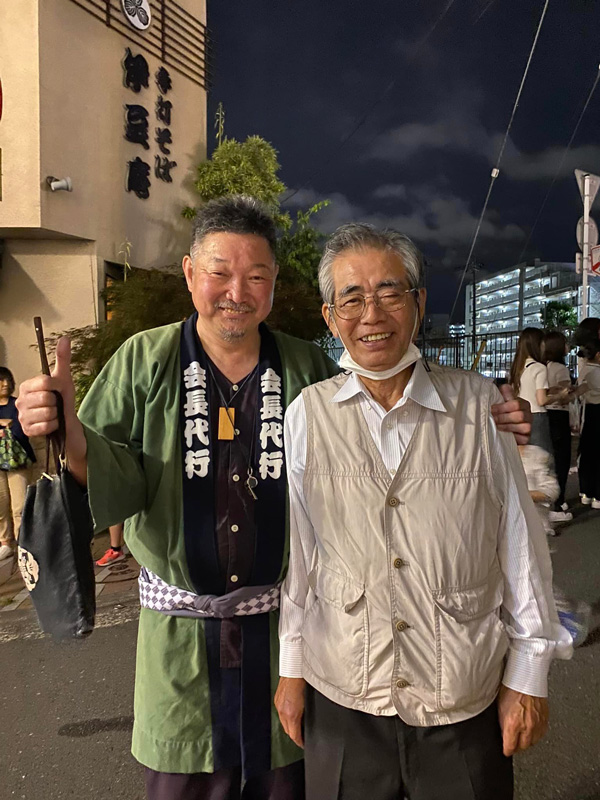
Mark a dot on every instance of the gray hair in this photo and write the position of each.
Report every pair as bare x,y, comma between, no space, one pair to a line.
235,213
355,236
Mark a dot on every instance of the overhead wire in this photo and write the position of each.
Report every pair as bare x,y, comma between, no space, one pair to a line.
485,10
560,165
496,169
361,121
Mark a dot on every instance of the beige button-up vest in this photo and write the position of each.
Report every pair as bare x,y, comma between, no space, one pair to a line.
406,587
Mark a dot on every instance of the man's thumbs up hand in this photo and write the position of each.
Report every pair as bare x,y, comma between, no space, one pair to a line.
36,403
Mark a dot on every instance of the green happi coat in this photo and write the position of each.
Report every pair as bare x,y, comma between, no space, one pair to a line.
131,420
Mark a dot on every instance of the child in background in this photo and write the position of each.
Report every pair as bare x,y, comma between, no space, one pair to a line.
544,490
541,481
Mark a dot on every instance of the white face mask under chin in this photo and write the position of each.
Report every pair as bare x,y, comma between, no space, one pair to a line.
412,355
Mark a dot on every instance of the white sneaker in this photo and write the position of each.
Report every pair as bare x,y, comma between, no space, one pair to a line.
5,552
595,503
585,499
560,516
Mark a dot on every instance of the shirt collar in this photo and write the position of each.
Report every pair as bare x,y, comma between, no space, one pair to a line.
420,389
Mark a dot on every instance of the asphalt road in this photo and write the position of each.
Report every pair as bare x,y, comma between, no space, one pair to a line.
66,710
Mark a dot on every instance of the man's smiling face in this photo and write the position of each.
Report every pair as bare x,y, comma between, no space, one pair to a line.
377,340
231,277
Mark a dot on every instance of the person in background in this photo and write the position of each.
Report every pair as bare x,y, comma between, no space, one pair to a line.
555,348
529,379
16,457
587,338
544,489
114,553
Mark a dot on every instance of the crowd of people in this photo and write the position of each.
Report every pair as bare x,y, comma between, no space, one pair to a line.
345,586
561,403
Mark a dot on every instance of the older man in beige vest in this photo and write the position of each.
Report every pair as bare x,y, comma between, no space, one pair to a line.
418,622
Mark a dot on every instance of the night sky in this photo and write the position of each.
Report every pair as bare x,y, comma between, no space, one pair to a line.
430,85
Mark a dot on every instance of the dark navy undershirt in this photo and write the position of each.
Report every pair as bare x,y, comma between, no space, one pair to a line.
234,507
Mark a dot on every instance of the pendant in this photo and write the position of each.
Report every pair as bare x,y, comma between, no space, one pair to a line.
226,423
251,484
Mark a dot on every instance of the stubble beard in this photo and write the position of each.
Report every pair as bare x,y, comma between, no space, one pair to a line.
233,334
229,335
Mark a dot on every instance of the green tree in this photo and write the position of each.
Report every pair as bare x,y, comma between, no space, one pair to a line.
149,298
560,316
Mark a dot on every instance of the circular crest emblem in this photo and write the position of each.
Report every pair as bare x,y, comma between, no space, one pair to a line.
30,569
138,13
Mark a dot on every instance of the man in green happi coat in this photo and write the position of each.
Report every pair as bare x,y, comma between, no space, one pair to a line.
182,435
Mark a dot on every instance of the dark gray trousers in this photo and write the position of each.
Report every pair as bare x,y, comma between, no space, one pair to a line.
285,783
350,755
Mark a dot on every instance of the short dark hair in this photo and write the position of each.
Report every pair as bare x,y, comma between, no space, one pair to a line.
235,213
6,375
553,347
587,338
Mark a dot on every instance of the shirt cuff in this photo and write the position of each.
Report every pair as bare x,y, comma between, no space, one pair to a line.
527,674
290,660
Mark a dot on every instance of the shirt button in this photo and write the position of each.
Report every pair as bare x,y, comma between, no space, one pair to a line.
393,501
405,413
389,424
235,387
234,528
236,478
234,579
399,563
236,431
392,472
402,684
402,626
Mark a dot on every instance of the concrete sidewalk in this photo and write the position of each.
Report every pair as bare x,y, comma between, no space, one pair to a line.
117,583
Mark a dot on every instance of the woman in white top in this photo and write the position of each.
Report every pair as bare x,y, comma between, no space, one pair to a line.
555,348
587,336
529,379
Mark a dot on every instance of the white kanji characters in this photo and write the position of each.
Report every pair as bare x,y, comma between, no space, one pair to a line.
270,465
196,427
196,463
271,407
273,431
195,403
194,376
270,381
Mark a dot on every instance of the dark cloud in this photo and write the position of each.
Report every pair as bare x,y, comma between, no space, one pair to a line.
426,88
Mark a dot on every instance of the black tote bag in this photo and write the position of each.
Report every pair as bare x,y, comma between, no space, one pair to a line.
54,547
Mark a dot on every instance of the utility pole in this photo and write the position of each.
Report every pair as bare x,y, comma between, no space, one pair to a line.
587,232
474,270
586,245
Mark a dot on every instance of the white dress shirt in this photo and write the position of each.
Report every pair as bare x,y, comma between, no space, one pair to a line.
534,637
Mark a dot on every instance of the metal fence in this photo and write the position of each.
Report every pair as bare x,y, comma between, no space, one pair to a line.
175,36
490,354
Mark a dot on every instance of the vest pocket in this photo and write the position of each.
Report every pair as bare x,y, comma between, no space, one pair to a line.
335,632
470,643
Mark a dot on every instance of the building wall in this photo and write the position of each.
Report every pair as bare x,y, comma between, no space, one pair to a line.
20,123
82,103
64,115
54,279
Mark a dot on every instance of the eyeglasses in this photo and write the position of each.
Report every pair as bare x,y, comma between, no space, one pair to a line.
353,306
